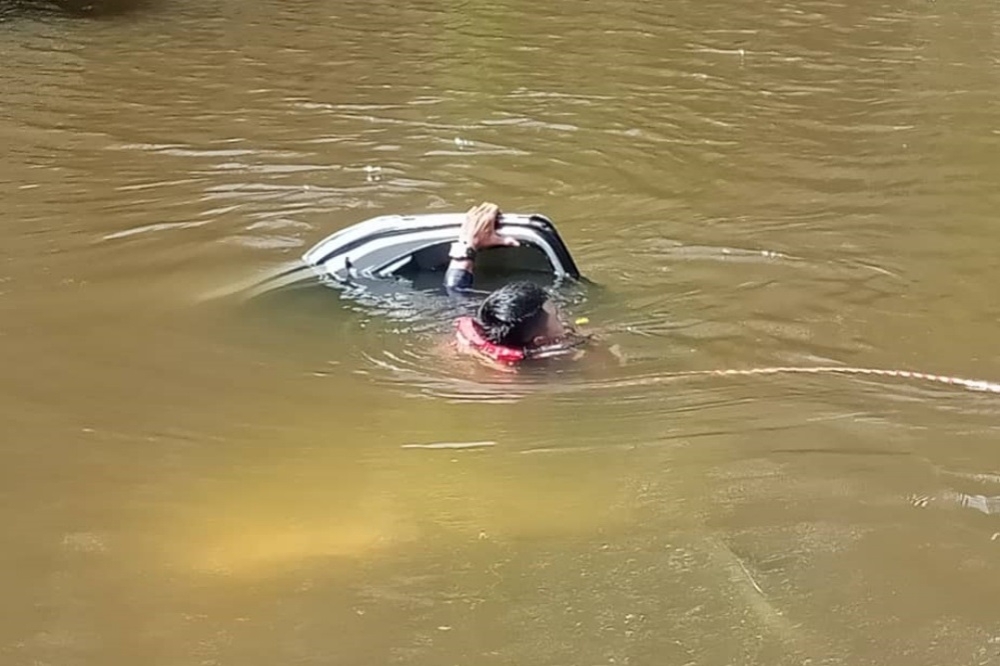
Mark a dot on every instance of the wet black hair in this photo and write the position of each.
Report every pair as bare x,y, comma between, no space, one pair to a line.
512,315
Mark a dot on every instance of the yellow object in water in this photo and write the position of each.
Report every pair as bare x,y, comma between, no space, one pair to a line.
581,321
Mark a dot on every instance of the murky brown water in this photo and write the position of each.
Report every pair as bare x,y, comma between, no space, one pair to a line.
191,476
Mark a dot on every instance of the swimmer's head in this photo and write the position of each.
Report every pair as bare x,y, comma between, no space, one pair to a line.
522,315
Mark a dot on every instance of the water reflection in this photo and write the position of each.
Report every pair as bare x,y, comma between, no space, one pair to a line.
12,9
193,478
265,519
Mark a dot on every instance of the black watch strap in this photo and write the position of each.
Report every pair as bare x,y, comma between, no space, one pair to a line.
461,250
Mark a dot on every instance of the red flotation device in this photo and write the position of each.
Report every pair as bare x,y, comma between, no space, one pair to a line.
470,338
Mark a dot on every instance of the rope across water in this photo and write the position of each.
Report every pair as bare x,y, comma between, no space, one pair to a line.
970,384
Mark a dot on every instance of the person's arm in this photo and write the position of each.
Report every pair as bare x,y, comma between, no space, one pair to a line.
479,231
461,266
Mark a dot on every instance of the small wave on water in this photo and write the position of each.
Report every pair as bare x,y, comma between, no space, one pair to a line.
468,380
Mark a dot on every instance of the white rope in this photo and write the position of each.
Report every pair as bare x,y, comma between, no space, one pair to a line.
970,384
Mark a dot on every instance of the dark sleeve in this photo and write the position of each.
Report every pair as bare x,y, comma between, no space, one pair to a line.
456,279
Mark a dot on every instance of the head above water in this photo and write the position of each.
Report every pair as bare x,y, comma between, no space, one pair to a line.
520,315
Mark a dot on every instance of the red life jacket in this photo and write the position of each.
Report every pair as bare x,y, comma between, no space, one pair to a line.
470,337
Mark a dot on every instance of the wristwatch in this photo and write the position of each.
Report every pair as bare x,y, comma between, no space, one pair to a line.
461,250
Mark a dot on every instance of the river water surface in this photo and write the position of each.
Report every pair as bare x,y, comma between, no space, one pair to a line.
192,474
